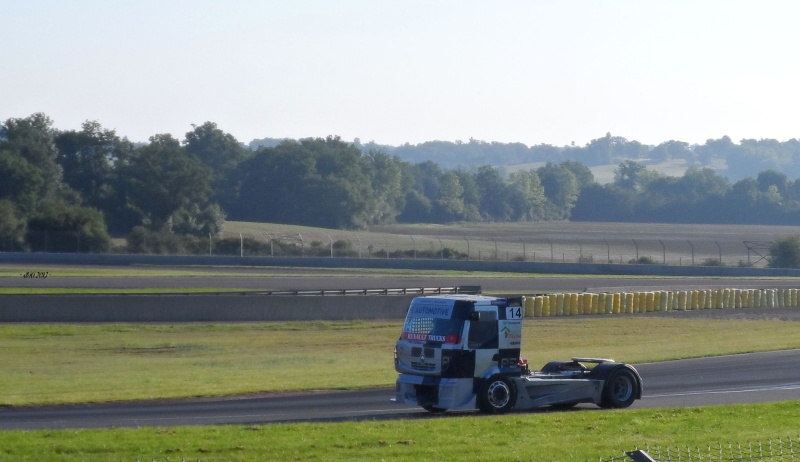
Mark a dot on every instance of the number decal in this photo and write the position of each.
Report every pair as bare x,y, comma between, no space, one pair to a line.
514,312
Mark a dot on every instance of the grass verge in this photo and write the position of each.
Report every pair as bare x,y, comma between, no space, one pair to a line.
563,436
62,363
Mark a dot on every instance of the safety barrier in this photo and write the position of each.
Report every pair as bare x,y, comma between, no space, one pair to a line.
573,304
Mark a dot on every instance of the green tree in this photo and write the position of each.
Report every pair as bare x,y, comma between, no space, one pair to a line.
494,196
561,188
629,174
769,178
582,173
32,139
386,178
12,228
62,227
21,182
450,205
527,197
220,152
92,160
161,179
785,252
315,182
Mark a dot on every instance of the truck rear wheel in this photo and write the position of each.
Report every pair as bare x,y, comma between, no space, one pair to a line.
620,389
497,395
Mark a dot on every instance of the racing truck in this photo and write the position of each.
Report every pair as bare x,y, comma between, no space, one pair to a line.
462,352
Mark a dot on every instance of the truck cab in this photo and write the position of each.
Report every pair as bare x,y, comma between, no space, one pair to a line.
462,352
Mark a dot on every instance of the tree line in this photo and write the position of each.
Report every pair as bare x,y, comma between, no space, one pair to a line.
735,161
74,189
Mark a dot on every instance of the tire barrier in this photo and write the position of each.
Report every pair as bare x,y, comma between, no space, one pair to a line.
574,304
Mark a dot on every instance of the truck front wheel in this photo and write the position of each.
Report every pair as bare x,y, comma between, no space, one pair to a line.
497,395
620,389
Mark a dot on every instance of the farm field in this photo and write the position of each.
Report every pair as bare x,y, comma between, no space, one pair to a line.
674,244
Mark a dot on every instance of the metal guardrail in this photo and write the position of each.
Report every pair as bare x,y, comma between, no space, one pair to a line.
472,290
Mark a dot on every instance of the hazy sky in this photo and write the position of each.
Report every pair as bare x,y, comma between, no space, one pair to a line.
408,71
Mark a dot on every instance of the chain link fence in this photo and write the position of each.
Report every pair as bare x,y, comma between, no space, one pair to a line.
663,251
772,450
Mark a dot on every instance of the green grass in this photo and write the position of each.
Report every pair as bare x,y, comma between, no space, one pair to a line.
65,363
563,436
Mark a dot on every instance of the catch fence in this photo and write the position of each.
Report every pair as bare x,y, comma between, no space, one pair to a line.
665,251
772,450
615,250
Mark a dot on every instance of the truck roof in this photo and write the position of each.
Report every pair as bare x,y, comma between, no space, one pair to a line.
465,297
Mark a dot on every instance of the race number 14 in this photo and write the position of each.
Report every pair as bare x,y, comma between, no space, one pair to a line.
513,312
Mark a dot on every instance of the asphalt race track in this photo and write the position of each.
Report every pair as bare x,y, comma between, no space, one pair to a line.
268,278
747,378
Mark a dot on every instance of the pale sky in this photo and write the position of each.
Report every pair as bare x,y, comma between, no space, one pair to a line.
533,72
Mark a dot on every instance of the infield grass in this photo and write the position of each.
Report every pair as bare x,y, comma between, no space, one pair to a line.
63,363
579,435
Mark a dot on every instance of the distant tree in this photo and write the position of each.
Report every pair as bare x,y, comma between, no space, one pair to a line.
62,227
604,203
527,197
673,150
629,174
314,182
220,152
21,182
386,179
417,208
89,158
32,139
561,188
161,179
582,173
494,197
769,178
450,205
92,160
12,228
471,195
785,252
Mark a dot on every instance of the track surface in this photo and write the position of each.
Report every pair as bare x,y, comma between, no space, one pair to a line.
747,378
325,279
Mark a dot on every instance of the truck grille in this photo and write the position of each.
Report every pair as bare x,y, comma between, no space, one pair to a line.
430,359
423,366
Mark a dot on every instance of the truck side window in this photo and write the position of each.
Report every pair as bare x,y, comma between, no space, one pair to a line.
482,334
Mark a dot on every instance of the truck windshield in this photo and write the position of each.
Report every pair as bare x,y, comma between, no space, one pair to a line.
433,329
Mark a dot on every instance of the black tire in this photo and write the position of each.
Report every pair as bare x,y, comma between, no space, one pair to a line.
497,395
434,409
621,389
